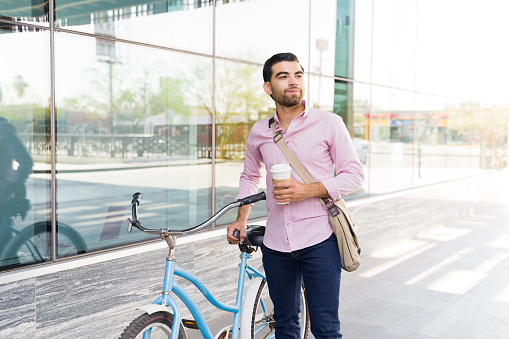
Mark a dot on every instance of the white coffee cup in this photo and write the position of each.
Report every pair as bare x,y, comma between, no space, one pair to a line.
280,173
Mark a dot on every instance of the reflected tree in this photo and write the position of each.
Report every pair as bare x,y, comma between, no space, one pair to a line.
26,110
170,97
20,85
487,126
240,101
128,98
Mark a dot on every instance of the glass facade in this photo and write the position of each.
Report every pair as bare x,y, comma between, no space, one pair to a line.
107,98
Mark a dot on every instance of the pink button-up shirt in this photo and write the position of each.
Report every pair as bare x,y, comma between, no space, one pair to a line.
323,145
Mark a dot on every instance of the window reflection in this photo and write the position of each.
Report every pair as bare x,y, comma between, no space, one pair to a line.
25,11
243,32
24,134
463,141
337,96
181,24
362,41
134,109
394,41
326,36
432,68
240,102
361,109
344,29
391,148
428,125
135,122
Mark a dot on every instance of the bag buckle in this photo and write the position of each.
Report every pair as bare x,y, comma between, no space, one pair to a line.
279,136
332,208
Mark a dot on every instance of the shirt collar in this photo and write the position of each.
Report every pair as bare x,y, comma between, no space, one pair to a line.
303,115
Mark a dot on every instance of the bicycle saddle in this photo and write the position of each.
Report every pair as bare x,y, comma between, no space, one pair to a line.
254,235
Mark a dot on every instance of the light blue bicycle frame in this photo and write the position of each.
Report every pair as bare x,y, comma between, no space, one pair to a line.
172,286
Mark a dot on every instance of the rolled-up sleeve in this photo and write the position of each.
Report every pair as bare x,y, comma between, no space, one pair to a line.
349,172
250,176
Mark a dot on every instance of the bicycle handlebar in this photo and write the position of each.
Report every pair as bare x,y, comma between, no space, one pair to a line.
252,199
163,232
136,198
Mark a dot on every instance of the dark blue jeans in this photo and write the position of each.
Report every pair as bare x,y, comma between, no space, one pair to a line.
319,267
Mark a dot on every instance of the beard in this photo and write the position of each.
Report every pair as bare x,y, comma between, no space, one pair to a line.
287,100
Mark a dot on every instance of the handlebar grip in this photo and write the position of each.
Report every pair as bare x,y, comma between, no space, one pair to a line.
136,198
252,199
236,234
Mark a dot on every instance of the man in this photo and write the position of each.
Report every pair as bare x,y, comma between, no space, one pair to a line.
299,245
12,181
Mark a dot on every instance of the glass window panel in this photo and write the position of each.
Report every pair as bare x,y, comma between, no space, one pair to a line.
362,41
477,138
471,51
344,38
394,41
337,96
391,149
136,123
256,30
462,141
185,25
323,95
240,102
24,11
326,37
427,126
361,107
24,148
492,123
432,49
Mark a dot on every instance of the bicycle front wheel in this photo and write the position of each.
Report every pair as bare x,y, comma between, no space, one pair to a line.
152,326
262,320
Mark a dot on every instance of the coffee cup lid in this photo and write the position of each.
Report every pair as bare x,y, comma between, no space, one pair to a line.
278,168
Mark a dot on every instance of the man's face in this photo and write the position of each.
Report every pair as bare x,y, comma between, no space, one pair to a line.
286,84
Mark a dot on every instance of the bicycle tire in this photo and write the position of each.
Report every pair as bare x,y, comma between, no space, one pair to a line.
34,243
159,322
262,320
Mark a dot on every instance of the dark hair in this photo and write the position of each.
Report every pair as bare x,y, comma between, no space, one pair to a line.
276,58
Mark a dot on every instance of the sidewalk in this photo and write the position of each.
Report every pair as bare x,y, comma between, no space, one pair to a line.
450,280
435,264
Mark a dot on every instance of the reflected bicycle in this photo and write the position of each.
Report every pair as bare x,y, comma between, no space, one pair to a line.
33,243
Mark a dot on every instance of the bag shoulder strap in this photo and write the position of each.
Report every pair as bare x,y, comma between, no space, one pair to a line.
287,152
298,167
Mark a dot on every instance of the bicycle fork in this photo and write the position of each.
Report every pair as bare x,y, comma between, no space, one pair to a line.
170,286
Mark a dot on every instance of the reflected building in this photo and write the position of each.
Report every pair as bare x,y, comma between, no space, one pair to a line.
159,97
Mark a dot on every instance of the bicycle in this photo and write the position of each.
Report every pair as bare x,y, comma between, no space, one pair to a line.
252,314
33,243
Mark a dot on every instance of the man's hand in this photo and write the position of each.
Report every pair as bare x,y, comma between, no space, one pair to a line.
237,225
297,191
240,224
